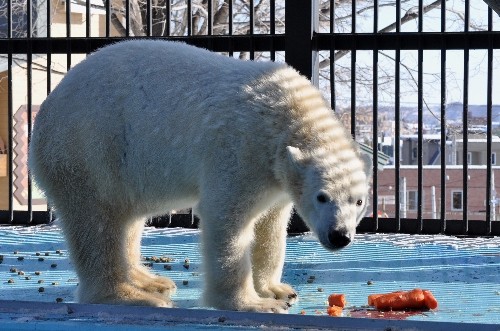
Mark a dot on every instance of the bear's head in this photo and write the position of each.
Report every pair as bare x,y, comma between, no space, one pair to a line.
330,191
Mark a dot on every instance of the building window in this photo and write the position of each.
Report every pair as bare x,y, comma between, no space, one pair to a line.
457,201
493,158
412,200
469,158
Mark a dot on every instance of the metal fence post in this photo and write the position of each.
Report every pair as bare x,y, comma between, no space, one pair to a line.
301,23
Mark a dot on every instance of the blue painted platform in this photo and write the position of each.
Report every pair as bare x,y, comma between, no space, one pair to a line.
463,274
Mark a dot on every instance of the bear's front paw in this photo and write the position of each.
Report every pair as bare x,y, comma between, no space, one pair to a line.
281,292
265,305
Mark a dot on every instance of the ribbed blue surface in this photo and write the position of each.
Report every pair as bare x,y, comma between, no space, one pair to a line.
463,274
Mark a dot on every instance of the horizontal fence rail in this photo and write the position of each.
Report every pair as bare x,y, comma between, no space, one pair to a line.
332,44
262,43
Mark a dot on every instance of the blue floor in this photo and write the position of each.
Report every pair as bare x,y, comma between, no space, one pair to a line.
463,273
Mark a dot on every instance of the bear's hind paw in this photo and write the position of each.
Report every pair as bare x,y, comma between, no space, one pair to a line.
130,295
153,283
159,284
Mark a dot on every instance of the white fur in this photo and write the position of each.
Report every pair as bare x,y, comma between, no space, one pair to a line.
144,127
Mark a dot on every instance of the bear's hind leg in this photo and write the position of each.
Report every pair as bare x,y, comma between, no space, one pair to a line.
268,254
98,249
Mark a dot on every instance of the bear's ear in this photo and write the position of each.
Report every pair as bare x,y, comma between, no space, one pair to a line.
294,154
368,163
294,161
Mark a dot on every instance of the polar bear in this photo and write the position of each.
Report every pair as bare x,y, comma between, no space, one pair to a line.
143,127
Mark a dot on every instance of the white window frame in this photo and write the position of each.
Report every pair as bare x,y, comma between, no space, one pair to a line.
453,200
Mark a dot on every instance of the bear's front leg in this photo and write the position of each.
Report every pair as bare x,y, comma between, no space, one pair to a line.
268,254
139,275
227,265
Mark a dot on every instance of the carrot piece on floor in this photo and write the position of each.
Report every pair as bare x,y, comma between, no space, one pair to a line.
399,301
335,311
430,300
337,300
372,297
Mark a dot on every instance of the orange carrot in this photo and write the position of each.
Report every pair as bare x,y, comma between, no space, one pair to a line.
372,297
335,311
398,301
430,300
337,300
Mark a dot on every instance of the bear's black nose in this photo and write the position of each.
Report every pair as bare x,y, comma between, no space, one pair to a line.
338,239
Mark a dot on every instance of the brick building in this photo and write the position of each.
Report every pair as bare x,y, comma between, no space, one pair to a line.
431,199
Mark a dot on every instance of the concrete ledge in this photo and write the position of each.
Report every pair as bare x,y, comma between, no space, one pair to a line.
30,315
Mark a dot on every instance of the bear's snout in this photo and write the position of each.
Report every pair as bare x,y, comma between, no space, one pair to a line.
338,239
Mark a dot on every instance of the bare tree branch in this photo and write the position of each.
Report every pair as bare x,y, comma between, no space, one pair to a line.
409,16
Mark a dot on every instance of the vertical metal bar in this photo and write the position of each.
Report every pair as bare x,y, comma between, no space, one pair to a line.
375,119
189,16
10,114
332,16
272,26
9,19
49,18
251,14
230,27
29,99
420,186
465,171
108,17
420,16
353,72
332,56
251,28
49,50
87,19
398,16
49,69
29,32
68,34
127,17
489,128
397,118
301,22
443,121
149,18
168,12
210,14
353,17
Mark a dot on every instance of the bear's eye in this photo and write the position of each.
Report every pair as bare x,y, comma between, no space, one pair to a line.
322,198
359,202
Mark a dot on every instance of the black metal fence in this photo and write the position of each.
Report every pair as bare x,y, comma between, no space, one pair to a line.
355,51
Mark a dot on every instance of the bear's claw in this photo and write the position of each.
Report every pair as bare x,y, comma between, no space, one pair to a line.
280,292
